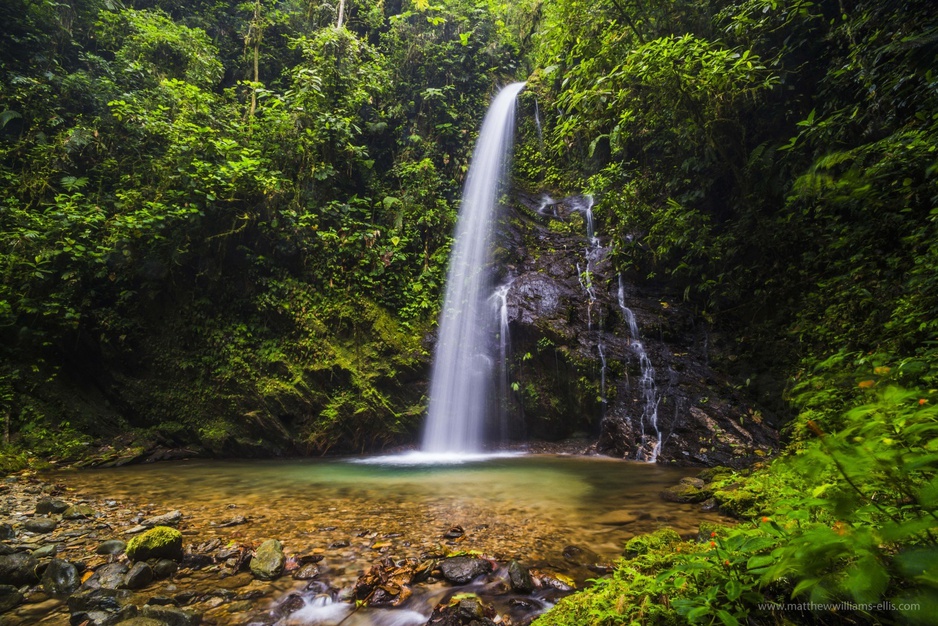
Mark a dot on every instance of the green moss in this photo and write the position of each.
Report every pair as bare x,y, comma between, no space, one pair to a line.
158,542
664,537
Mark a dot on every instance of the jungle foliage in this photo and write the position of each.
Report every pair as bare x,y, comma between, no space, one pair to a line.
775,161
220,217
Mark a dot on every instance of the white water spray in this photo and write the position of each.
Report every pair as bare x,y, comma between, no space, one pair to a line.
648,425
462,369
504,346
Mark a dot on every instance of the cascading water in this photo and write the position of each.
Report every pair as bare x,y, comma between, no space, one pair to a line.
504,345
649,420
462,369
593,252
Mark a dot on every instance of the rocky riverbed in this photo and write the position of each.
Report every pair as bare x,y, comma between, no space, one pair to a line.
78,549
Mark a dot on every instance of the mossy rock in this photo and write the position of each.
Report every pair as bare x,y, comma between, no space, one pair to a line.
160,542
643,544
268,560
687,492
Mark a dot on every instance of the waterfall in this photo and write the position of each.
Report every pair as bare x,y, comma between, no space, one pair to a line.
537,122
649,420
462,366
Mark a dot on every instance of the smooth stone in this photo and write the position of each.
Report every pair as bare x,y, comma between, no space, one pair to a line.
520,577
40,525
112,547
167,519
580,556
50,549
60,578
164,568
108,576
78,511
139,576
103,600
307,572
268,561
18,569
10,597
7,532
462,569
45,506
171,615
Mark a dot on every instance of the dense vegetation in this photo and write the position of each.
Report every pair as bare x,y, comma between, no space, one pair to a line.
231,220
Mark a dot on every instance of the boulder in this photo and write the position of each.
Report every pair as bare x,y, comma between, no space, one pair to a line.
111,547
7,532
268,561
40,525
164,568
10,597
108,576
47,506
520,578
686,492
462,569
60,578
463,610
78,511
18,569
160,542
139,576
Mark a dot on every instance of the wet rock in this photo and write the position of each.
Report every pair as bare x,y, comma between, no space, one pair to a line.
306,572
385,584
580,556
171,615
168,519
454,532
462,569
10,597
18,569
463,610
237,581
108,576
7,532
234,521
47,506
78,511
60,578
268,560
5,549
686,492
111,547
108,601
40,525
139,576
157,543
164,568
45,551
520,577
342,543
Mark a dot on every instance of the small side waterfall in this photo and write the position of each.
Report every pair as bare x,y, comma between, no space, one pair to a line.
504,347
462,366
593,252
649,434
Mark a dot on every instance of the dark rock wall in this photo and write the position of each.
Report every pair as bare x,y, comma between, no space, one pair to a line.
556,367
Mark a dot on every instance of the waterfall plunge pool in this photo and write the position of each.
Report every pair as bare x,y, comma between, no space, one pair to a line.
354,512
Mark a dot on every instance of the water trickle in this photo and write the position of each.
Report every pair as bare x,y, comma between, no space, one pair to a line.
500,298
594,251
649,434
537,122
462,368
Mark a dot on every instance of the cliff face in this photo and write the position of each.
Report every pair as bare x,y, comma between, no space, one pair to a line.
577,363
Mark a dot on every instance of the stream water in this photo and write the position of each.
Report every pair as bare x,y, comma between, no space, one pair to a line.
531,508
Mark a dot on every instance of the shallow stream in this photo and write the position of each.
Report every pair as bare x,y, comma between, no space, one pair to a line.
530,508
